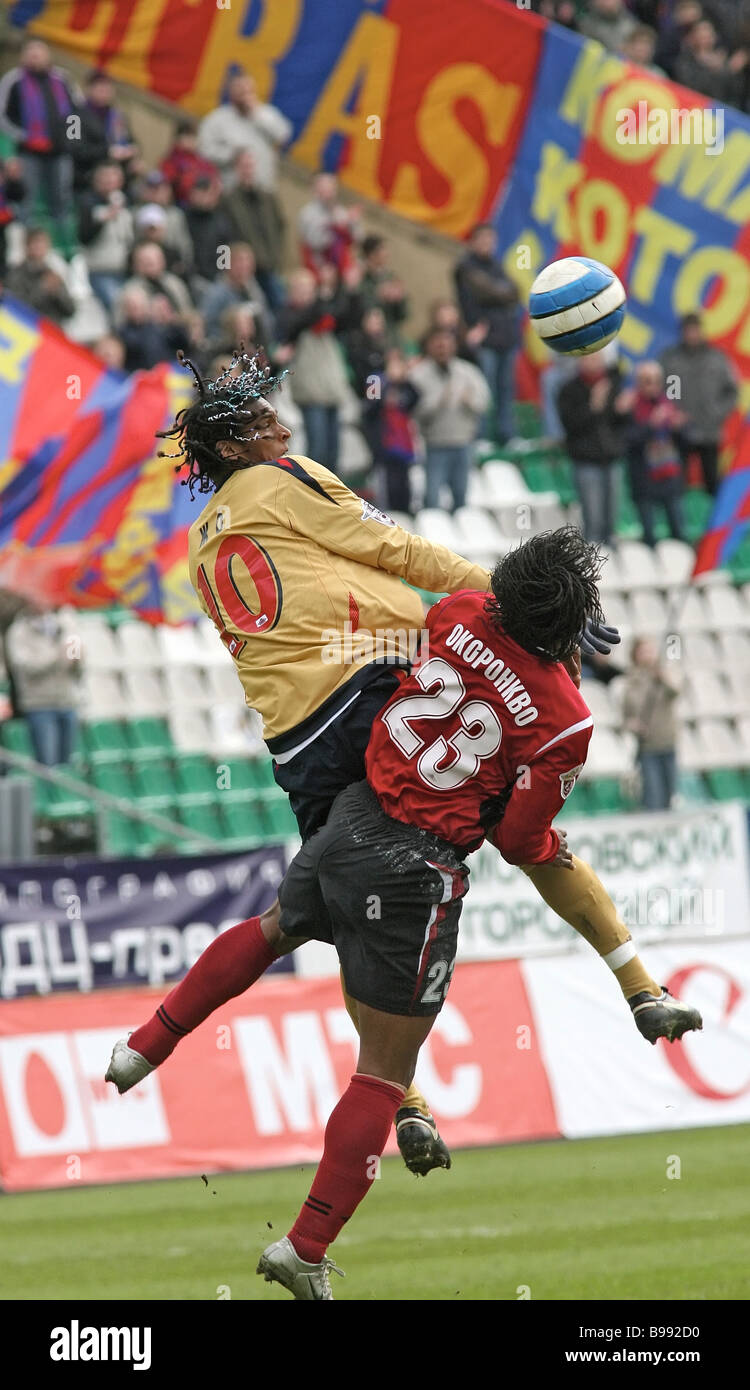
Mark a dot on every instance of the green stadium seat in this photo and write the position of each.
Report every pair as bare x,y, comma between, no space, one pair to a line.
278,819
726,784
15,736
59,803
195,776
697,507
104,739
605,796
692,788
153,781
119,835
540,475
739,565
261,775
528,419
242,823
114,778
202,818
149,738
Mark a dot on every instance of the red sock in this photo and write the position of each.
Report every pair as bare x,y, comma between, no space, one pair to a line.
229,966
355,1137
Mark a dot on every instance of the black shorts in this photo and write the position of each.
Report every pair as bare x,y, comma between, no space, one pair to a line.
336,758
387,896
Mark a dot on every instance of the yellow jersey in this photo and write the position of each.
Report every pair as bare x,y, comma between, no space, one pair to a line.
303,580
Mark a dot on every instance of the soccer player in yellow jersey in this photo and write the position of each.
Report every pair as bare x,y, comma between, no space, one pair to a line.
285,557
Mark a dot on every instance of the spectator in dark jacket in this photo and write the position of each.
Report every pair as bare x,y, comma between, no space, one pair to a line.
652,428
35,103
37,282
380,287
105,132
701,379
366,347
257,217
702,64
389,429
489,300
586,406
210,231
149,329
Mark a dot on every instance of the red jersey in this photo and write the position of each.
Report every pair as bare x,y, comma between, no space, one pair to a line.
482,739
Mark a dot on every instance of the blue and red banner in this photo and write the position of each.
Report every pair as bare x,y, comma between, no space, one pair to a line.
89,514
450,115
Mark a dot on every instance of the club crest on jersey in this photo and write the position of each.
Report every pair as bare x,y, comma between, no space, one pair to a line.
370,513
568,780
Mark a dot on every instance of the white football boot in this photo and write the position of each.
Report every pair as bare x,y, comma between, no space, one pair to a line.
126,1067
280,1262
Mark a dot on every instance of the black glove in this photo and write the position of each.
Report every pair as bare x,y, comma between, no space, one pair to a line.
597,637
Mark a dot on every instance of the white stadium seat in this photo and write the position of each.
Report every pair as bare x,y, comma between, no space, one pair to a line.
719,739
612,577
479,533
145,692
179,646
224,683
602,706
103,695
734,650
476,491
611,753
692,615
725,607
699,650
676,559
649,612
139,644
188,683
100,649
437,525
705,693
190,730
639,566
738,684
504,483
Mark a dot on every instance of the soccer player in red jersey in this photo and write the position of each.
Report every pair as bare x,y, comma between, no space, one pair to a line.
484,740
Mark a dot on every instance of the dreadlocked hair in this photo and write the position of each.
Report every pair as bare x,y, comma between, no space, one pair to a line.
221,411
544,590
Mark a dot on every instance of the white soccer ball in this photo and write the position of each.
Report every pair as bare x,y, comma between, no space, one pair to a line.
577,305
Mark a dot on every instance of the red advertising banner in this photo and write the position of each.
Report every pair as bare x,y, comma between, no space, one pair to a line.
253,1087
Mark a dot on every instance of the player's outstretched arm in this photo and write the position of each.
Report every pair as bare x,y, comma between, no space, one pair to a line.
337,518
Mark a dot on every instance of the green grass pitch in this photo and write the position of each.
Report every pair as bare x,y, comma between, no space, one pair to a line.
589,1219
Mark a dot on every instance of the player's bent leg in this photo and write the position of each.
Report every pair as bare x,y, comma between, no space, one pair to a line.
355,1137
229,966
580,898
420,1144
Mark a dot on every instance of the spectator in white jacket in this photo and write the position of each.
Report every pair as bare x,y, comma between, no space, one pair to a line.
453,397
43,653
244,123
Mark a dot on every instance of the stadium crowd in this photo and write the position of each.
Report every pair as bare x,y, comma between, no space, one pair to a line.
194,253
702,44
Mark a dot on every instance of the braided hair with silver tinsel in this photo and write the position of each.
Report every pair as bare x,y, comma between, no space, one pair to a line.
222,411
